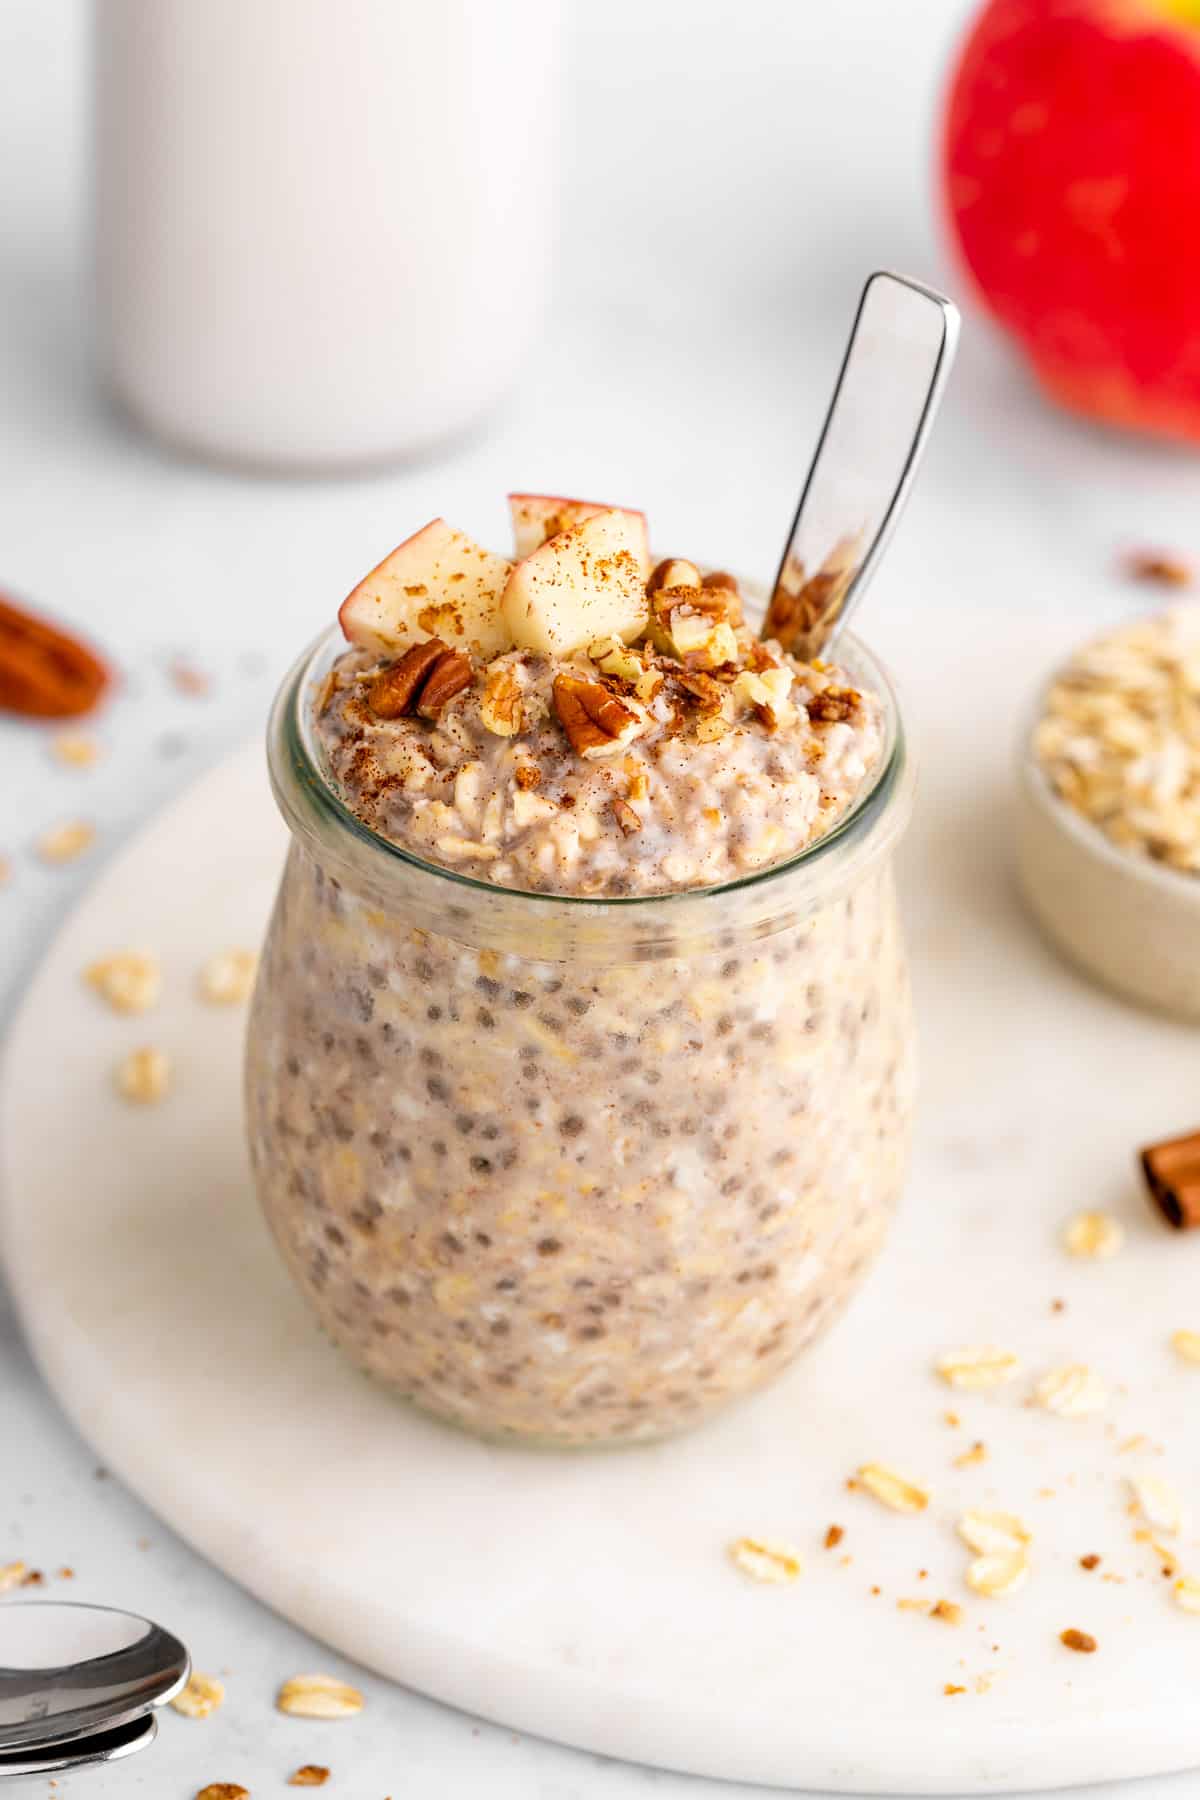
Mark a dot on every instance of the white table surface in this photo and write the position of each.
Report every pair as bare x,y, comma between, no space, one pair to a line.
734,169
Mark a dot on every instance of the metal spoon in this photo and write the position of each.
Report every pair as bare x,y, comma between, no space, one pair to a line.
890,386
101,1746
71,1675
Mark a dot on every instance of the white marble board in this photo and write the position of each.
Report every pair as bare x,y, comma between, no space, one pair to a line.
587,1597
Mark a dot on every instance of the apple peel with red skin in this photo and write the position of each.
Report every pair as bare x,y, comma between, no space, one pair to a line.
1071,180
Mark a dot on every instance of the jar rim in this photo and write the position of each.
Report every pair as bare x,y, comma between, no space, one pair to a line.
309,801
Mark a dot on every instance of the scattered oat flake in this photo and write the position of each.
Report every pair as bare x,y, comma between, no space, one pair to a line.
144,1076
228,977
75,748
66,1574
976,1454
998,1573
200,1697
309,1775
188,679
952,1687
1082,1641
993,1531
1187,1593
834,1536
952,1419
319,1697
1186,1344
892,1489
766,1559
1071,1392
131,980
982,1366
1158,1502
11,1575
917,1606
65,842
223,1790
948,1611
1094,1236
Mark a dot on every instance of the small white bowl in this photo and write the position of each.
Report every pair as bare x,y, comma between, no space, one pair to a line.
1132,924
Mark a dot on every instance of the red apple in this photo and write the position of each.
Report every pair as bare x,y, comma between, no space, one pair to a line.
437,583
1071,168
581,585
536,517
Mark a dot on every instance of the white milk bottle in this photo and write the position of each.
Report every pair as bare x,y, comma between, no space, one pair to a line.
322,226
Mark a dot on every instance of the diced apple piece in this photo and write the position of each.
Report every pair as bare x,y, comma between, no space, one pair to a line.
438,583
536,517
585,583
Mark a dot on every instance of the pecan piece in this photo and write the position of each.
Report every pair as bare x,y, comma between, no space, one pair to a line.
672,572
833,705
43,672
625,816
426,676
449,676
595,720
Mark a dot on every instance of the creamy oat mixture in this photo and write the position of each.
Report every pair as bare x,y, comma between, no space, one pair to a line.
1119,739
724,774
573,1200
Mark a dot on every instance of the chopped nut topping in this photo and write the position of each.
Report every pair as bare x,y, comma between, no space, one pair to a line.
625,816
66,842
1187,1593
980,1367
892,1489
200,1698
319,1697
1172,1171
949,1611
144,1076
833,705
672,573
131,981
1186,1344
12,1575
596,722
309,1775
764,1559
989,1532
834,1536
228,978
422,681
1082,1641
1071,1392
223,1790
75,748
1095,1235
1089,1562
999,1573
1158,1501
501,707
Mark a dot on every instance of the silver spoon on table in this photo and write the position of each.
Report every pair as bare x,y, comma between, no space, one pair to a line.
892,378
79,1684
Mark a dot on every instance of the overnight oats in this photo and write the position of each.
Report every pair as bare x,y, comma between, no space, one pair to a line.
580,1066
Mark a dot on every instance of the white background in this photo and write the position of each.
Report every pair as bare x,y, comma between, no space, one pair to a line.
732,171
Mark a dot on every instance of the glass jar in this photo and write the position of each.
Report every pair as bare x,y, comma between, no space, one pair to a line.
566,1170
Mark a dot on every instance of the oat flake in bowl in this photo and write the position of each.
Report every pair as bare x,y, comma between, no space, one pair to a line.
580,1066
1109,810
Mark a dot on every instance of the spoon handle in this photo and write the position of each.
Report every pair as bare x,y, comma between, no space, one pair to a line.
890,385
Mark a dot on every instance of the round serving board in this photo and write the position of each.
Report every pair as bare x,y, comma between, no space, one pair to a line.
588,1596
